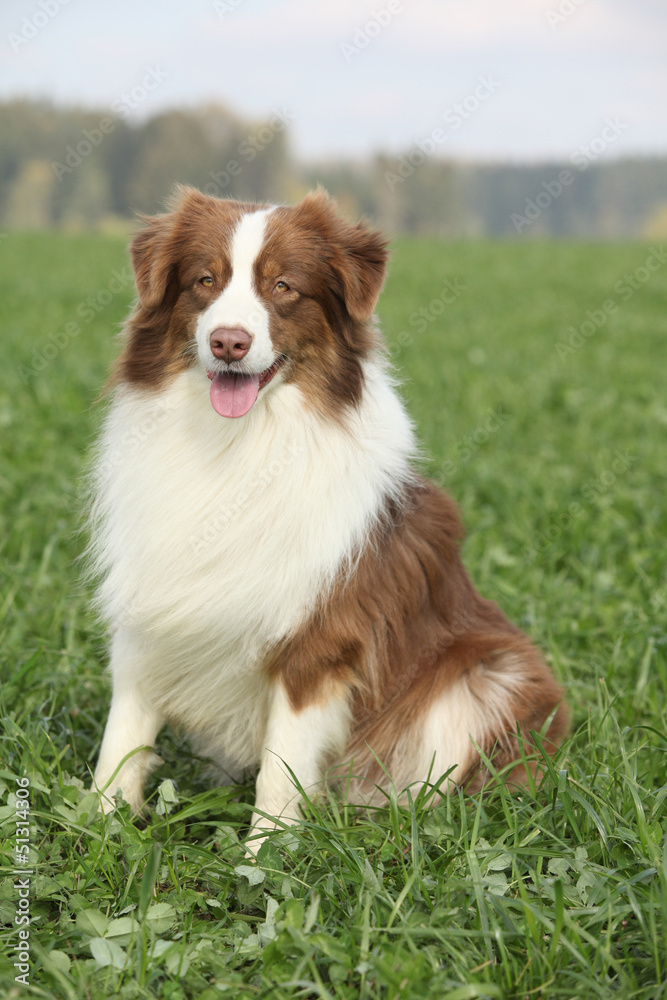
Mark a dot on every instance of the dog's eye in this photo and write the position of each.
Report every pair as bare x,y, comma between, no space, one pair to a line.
281,286
206,281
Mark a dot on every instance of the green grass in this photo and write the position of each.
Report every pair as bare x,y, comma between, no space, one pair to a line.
558,465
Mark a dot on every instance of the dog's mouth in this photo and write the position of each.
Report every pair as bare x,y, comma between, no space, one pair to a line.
233,393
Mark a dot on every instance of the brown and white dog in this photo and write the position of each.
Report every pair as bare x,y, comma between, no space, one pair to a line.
278,579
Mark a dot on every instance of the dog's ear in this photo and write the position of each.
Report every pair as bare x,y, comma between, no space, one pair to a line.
152,259
364,270
359,257
153,249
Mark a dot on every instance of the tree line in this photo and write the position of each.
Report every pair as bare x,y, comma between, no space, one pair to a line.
73,168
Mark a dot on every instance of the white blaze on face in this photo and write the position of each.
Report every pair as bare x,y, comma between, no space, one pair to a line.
239,305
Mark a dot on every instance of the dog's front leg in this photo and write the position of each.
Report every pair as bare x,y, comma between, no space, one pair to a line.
133,723
299,741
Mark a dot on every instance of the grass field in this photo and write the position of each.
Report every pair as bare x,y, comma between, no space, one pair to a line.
536,374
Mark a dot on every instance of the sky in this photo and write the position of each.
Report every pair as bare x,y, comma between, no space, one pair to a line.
511,80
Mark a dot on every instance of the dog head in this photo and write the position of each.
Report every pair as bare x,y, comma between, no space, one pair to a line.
253,296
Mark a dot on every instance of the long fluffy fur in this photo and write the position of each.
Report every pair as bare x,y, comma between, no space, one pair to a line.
284,585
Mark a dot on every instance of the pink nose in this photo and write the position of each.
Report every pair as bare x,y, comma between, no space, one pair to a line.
230,343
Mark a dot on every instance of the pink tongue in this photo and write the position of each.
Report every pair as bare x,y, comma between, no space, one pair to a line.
233,395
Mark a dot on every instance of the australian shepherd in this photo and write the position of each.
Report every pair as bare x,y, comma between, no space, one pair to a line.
278,579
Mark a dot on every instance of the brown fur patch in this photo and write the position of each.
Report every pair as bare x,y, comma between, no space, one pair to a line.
403,629
335,272
169,257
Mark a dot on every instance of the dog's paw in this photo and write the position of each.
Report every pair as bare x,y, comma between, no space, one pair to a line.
110,800
252,847
260,827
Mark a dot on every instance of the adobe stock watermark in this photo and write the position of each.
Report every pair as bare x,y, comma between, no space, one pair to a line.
46,351
454,117
421,318
247,150
225,7
135,436
590,494
625,288
20,950
469,445
370,29
120,108
31,26
562,11
551,190
637,621
276,468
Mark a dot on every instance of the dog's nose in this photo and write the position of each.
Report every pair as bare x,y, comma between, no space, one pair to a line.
230,343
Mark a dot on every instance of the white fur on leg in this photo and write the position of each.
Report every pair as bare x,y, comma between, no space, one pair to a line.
133,722
300,741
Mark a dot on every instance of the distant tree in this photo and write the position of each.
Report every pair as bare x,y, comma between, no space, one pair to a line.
173,148
28,203
75,167
655,226
89,199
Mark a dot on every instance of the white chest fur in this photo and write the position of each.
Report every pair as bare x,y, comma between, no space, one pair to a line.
214,537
